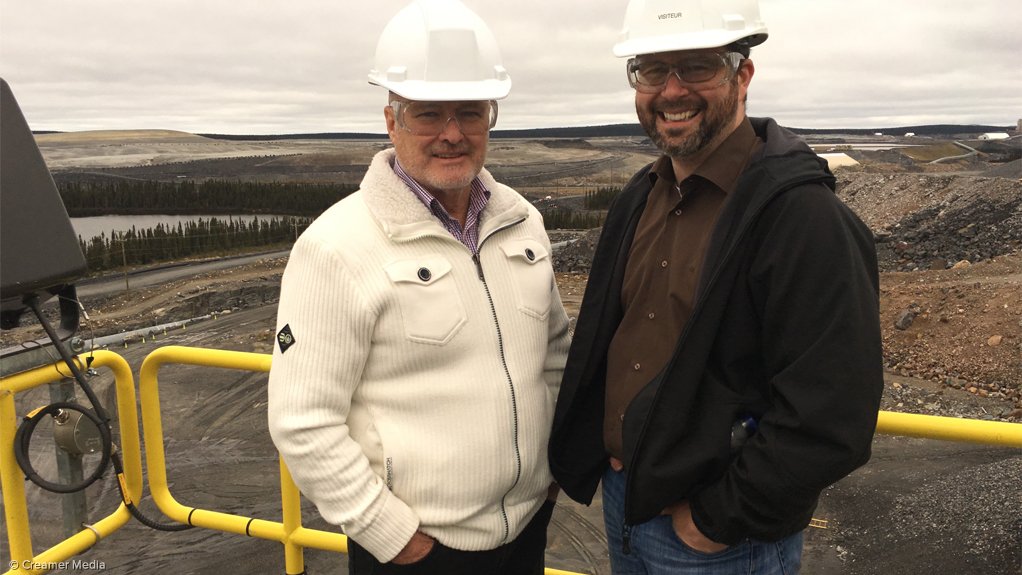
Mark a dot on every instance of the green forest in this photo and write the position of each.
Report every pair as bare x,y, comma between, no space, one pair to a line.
126,197
201,237
294,206
601,198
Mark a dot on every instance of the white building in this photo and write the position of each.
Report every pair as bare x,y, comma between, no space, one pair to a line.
994,136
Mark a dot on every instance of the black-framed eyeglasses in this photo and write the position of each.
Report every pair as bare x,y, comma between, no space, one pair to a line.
649,75
473,118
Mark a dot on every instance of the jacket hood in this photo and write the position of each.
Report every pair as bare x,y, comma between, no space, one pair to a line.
778,141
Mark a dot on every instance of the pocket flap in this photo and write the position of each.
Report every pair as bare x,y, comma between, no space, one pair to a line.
423,271
527,250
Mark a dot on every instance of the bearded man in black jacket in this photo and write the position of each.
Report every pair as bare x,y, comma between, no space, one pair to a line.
726,365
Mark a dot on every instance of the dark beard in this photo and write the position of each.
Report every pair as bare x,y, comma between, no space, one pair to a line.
716,119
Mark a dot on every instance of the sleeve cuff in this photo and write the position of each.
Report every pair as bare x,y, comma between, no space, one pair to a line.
389,530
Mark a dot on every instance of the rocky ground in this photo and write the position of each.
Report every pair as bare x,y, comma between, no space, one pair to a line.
950,249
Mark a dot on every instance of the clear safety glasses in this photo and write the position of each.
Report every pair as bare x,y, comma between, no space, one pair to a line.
649,75
431,118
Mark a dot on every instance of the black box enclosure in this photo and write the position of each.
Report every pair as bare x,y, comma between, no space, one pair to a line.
39,251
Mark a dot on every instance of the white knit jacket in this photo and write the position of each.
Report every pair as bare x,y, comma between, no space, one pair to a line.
418,388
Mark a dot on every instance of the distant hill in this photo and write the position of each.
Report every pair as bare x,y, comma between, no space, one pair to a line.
625,130
316,136
926,130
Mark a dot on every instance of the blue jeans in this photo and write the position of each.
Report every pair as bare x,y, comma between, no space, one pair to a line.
655,549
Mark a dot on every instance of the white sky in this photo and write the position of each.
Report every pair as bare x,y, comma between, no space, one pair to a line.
299,66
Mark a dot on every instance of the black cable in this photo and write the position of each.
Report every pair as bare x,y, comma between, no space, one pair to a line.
33,302
24,434
100,418
135,512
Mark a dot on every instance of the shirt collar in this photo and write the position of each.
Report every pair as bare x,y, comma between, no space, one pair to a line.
478,194
726,163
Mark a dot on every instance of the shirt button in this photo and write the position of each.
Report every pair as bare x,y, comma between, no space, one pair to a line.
636,367
663,264
652,315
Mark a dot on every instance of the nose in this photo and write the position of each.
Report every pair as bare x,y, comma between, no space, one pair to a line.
674,85
452,131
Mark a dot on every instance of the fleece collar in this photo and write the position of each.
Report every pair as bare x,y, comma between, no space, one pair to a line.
403,217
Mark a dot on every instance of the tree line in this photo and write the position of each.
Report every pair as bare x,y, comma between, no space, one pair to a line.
200,237
565,219
600,198
209,196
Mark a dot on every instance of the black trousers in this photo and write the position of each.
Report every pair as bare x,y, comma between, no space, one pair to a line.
523,556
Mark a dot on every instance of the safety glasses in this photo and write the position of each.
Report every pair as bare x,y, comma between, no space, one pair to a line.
649,75
431,118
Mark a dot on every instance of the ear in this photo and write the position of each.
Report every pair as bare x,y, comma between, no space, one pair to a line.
746,72
388,114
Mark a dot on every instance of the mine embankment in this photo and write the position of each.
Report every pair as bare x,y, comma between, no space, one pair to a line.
950,249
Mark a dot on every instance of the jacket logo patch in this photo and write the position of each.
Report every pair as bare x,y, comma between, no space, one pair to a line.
285,338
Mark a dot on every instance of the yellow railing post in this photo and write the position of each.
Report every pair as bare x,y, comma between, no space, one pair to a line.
291,513
13,480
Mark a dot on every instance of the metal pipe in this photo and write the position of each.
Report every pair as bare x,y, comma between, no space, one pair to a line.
950,428
13,480
69,467
291,515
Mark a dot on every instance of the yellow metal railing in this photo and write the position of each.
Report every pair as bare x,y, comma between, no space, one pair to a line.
950,428
289,531
22,558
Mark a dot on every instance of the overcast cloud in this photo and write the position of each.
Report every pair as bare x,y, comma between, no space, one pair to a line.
299,66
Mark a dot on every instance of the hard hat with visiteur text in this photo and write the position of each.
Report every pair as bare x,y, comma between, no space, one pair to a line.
439,50
653,26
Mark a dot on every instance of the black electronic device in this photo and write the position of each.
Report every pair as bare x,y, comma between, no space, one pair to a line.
39,252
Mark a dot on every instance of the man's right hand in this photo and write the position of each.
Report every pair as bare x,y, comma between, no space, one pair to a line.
416,550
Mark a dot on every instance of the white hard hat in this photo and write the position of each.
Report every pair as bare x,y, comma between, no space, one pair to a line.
439,50
667,25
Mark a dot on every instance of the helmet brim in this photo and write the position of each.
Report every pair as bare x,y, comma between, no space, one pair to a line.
688,41
446,91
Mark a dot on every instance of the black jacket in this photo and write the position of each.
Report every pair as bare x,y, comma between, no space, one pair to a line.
785,329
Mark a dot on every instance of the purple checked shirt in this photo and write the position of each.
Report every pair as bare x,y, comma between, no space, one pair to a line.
478,196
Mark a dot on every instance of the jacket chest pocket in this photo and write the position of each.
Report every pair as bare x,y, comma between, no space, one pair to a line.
431,310
531,275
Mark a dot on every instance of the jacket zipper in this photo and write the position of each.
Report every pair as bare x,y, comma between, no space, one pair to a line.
629,466
507,374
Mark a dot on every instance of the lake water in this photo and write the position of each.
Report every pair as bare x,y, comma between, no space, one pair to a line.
91,227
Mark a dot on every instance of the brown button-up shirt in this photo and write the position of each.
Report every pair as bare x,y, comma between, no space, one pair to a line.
662,274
